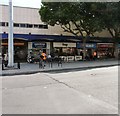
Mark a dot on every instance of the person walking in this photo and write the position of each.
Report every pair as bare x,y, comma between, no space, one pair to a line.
59,61
44,56
81,54
3,61
6,59
41,63
94,55
49,58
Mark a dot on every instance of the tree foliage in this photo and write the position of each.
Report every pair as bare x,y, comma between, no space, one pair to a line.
83,18
111,18
77,18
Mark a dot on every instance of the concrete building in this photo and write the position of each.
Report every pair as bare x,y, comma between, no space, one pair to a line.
30,33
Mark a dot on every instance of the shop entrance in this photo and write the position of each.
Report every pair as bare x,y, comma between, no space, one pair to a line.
20,49
105,50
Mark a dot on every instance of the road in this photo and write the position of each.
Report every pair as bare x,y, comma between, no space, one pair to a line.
92,91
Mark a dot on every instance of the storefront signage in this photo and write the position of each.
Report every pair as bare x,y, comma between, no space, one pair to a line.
77,58
87,45
105,45
64,44
38,45
15,44
71,58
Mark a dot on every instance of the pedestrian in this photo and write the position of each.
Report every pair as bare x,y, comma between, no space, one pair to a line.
3,61
6,59
18,61
49,58
94,55
44,56
81,54
41,62
59,61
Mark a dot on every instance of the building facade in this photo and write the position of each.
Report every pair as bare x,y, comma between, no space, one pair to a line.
31,34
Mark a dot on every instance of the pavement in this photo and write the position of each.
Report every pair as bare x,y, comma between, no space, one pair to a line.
31,68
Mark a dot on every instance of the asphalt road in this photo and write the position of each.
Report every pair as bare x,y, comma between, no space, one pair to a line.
92,91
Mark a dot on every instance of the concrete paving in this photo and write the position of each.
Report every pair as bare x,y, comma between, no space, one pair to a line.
92,91
27,68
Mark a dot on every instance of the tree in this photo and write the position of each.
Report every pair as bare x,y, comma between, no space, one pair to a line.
78,18
111,19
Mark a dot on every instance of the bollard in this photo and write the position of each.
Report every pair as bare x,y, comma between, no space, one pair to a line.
2,66
39,64
18,65
60,62
51,64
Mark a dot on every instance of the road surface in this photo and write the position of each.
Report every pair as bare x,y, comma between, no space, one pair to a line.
92,91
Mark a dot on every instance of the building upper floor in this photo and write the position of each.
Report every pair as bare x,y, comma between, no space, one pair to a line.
27,20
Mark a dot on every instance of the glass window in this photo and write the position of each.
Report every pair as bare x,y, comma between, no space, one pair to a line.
36,26
7,24
22,25
29,25
16,24
43,26
2,23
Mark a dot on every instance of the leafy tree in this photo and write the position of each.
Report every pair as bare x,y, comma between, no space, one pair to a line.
109,18
83,18
78,18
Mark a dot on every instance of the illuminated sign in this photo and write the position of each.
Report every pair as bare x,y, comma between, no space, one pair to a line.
87,45
38,45
15,44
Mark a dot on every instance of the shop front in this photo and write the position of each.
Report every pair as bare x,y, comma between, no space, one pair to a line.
20,49
90,48
105,50
64,49
38,47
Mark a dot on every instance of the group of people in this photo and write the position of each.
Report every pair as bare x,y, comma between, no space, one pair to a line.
89,56
41,58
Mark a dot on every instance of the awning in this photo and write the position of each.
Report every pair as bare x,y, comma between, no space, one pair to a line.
56,38
34,37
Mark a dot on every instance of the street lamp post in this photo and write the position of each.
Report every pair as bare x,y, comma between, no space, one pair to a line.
10,38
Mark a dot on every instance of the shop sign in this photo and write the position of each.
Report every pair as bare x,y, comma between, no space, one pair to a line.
87,45
64,44
105,45
15,44
77,58
38,45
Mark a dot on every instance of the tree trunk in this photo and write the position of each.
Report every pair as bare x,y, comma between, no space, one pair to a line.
116,49
84,48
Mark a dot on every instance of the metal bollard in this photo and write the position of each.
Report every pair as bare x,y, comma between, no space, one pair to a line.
2,66
18,65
